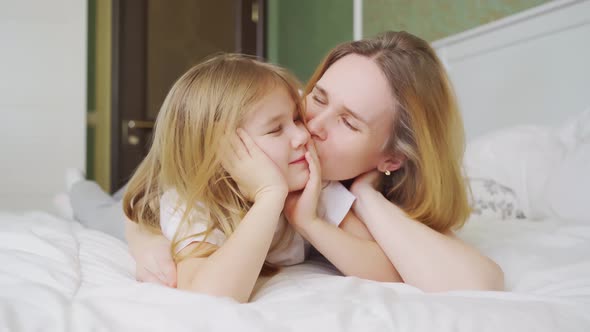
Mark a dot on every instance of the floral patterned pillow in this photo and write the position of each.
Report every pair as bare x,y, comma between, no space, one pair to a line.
490,199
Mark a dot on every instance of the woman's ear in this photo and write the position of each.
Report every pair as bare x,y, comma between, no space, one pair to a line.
391,163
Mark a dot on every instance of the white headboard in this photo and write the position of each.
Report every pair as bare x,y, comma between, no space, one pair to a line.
532,67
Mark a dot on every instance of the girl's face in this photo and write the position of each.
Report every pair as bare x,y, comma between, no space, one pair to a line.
350,118
275,127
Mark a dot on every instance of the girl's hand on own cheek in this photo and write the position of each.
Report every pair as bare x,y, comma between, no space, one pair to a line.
301,207
254,172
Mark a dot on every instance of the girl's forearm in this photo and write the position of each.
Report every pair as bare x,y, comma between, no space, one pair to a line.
351,255
136,237
233,269
425,258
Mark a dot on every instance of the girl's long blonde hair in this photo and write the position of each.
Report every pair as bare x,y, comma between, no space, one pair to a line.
205,105
427,131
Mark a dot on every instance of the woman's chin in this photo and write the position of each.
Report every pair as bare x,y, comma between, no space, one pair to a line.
329,175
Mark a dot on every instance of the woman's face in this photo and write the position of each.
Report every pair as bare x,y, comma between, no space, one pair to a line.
350,118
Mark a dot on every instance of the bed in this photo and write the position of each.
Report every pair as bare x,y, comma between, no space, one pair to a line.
56,275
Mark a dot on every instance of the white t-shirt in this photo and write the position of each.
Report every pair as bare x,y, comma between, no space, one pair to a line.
334,203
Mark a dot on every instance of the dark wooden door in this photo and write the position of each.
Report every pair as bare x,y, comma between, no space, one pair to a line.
154,42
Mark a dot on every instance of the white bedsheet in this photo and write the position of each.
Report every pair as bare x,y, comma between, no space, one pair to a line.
56,275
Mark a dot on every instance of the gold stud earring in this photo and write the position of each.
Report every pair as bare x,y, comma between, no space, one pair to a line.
388,173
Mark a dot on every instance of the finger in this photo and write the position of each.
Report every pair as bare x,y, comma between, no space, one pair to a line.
227,165
229,161
169,273
290,204
144,275
238,146
314,172
248,142
227,155
292,199
314,153
161,267
233,153
313,167
152,279
373,175
314,161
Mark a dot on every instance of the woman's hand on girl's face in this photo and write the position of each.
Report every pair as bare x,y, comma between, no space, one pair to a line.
301,207
253,171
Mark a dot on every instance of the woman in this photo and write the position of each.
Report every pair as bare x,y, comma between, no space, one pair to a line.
382,112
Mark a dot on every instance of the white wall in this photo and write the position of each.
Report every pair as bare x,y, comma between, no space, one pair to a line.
42,98
530,68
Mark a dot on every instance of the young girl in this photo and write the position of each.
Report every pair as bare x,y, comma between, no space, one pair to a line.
229,145
206,183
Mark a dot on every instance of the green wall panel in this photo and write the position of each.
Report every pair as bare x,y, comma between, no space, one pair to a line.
300,33
432,20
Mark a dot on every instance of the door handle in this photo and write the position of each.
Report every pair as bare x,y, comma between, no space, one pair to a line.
255,12
131,138
140,124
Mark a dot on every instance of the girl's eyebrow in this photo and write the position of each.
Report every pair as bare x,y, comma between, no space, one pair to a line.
277,117
273,119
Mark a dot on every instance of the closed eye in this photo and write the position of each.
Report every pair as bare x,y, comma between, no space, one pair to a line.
349,125
318,100
276,130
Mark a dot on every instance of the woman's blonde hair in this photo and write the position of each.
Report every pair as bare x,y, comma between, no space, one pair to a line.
205,105
427,131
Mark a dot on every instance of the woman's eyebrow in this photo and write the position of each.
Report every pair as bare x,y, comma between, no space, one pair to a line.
352,113
321,90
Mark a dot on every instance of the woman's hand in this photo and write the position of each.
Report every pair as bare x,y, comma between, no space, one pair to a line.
301,207
153,261
254,172
366,181
364,188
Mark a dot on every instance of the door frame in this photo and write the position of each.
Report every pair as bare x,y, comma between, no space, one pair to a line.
128,77
129,63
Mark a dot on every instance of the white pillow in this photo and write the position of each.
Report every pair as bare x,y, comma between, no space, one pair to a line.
491,200
520,158
567,192
576,130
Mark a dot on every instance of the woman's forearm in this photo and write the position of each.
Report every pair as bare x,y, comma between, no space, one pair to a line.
353,256
425,258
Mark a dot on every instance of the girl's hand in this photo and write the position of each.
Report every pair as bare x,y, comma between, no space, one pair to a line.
253,171
301,207
153,261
